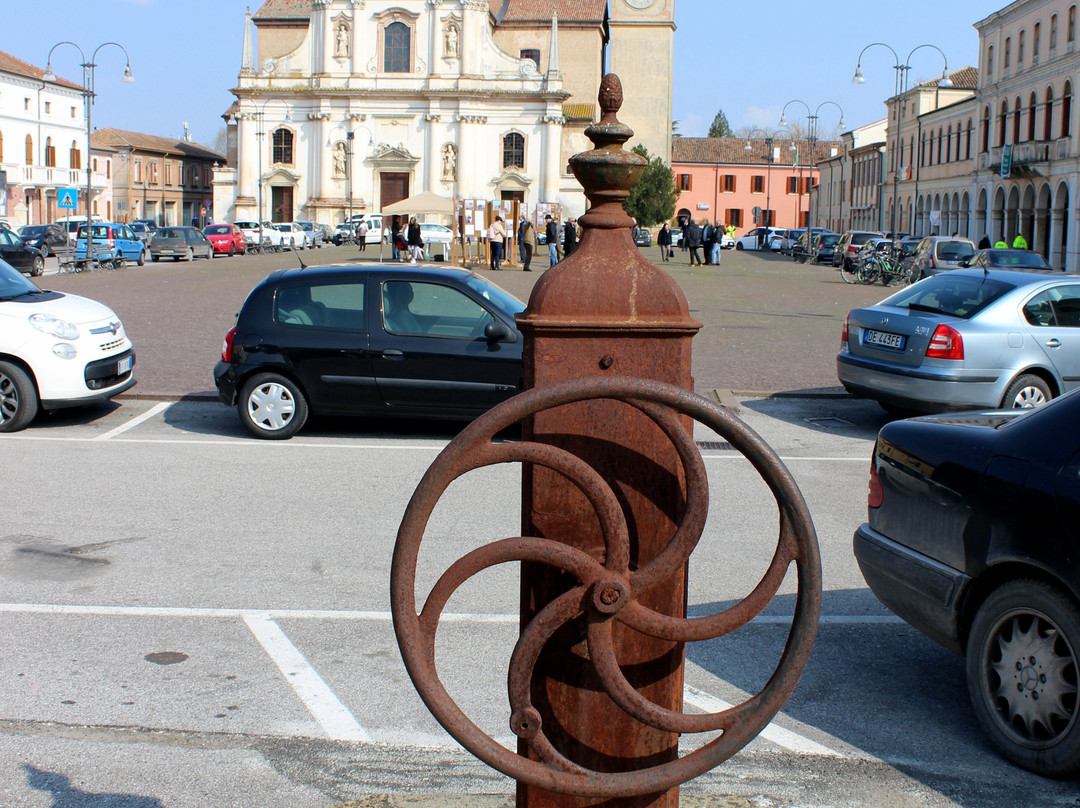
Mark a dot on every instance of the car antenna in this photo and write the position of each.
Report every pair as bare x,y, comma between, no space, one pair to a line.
300,260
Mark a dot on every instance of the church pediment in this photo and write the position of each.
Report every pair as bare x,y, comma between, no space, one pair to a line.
281,176
512,178
399,155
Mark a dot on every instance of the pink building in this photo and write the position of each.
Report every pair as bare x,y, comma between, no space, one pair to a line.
767,183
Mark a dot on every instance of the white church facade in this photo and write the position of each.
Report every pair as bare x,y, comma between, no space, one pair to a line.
346,106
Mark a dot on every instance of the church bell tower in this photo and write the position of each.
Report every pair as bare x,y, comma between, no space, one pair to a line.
642,53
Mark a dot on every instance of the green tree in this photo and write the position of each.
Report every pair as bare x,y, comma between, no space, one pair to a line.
653,199
720,126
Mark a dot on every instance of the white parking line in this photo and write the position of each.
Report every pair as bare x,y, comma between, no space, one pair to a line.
785,738
333,716
134,422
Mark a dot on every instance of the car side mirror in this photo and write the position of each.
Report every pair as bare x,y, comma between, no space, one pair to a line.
963,262
496,331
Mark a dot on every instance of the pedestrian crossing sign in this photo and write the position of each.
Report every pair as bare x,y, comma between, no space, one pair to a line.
66,198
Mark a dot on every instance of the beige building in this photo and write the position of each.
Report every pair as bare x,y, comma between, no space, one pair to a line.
849,194
346,106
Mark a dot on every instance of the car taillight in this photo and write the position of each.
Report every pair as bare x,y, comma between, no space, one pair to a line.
876,494
946,343
226,345
844,330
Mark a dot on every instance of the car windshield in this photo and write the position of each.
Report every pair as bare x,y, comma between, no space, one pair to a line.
13,284
247,225
1017,258
961,296
500,297
954,250
907,248
218,230
828,240
862,238
32,230
170,232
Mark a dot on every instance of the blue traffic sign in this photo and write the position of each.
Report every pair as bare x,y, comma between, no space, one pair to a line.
67,198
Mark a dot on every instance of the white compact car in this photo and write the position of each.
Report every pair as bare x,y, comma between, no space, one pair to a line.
56,351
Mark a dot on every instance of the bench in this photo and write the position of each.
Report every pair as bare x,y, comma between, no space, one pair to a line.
69,262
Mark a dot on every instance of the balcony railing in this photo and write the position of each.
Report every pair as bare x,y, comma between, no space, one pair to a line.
55,177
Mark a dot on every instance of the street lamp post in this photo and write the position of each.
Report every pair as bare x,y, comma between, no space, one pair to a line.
88,66
811,135
768,172
900,88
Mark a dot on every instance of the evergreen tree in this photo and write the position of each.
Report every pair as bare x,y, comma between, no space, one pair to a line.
720,127
653,199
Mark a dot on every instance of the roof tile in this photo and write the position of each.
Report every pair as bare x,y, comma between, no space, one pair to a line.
169,145
732,151
12,64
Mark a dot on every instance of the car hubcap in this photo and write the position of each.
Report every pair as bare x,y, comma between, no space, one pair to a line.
9,399
1032,679
271,407
1029,397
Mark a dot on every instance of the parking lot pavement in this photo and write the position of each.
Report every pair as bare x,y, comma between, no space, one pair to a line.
218,627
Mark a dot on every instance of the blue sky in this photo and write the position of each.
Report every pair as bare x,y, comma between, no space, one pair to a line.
729,55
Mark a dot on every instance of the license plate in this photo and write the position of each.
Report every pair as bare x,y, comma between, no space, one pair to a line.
881,339
123,366
166,252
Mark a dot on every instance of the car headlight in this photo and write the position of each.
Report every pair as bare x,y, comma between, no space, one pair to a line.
48,324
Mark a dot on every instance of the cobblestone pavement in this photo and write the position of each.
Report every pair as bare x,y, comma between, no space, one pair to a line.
768,324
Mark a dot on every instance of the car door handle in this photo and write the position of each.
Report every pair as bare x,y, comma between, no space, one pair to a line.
393,353
1053,343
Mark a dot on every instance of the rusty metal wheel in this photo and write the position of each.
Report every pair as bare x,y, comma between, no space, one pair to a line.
608,592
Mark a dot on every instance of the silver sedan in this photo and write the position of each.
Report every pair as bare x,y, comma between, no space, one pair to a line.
966,339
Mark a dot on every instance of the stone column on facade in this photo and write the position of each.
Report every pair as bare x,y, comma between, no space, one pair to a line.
552,158
1039,226
474,15
247,160
355,40
466,168
997,232
1057,255
433,159
434,58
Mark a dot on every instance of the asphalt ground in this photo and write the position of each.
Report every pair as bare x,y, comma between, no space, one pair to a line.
769,325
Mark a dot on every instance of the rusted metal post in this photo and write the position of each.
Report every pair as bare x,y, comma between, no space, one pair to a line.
603,312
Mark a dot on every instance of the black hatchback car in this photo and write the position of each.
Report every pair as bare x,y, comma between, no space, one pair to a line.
369,340
973,538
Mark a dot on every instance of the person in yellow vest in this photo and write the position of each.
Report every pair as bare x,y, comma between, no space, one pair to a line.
1019,243
1001,245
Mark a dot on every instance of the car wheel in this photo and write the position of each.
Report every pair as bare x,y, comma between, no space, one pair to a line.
271,406
1023,659
1025,392
37,266
142,258
209,253
190,255
231,251
155,258
18,398
738,246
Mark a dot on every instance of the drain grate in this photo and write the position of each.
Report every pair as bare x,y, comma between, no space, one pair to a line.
829,422
715,445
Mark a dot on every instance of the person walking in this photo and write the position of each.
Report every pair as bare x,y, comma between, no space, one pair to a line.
692,241
551,235
528,244
708,239
984,242
395,238
496,237
361,234
569,238
521,237
1000,245
663,240
1020,243
415,241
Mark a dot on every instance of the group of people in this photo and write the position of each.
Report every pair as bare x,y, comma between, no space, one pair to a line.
1019,243
705,236
405,246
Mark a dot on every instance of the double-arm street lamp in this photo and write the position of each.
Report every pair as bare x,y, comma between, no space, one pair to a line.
811,135
900,88
768,171
88,66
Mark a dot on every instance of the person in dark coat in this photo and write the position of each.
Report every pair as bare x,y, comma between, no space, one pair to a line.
569,238
984,242
663,240
415,241
551,234
692,241
708,237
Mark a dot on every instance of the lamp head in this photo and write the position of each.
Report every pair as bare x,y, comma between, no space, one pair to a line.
747,146
128,77
49,75
858,77
783,120
946,81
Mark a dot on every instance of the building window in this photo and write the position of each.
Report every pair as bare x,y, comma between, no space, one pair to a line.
533,54
733,217
26,105
793,185
168,173
75,156
967,151
757,184
1020,50
1033,104
685,182
73,112
1066,111
1070,31
1008,52
513,150
1003,122
396,42
990,62
986,130
50,153
29,150
108,169
1036,35
283,151
138,171
151,170
939,136
1016,121
48,107
729,183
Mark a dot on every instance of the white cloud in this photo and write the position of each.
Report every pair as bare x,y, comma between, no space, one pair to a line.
692,126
